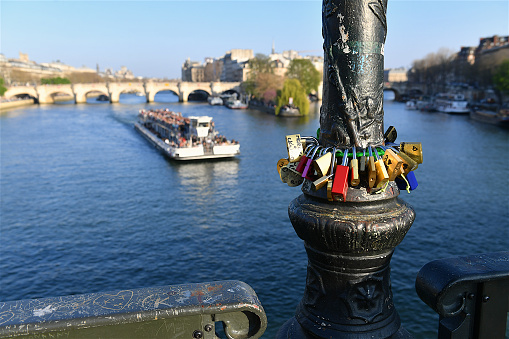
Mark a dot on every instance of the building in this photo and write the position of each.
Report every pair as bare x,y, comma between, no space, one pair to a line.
193,71
467,55
396,75
236,65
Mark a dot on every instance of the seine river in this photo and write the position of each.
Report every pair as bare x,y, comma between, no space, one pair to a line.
89,205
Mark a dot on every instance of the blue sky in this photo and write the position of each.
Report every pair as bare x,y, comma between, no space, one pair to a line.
154,38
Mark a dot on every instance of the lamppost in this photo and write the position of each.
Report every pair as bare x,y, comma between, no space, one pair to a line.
350,241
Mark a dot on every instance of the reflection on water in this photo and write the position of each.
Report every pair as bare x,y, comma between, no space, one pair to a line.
202,180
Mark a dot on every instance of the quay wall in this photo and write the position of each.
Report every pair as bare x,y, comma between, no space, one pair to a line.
7,105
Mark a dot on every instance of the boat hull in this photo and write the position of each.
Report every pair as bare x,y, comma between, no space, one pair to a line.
188,153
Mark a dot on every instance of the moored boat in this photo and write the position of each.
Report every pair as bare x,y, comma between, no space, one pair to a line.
451,103
411,105
289,111
185,138
213,100
497,116
236,104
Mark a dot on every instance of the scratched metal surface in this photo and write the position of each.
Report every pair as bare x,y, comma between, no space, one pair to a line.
126,306
87,205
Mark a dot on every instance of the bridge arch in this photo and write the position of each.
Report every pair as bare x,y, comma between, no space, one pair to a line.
152,95
16,92
47,93
397,95
199,95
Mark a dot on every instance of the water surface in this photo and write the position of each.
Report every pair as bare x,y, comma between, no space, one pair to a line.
88,205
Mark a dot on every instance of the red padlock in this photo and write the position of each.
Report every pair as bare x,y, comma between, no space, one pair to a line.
303,160
340,184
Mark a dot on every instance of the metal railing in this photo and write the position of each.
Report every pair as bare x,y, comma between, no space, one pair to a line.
470,294
179,311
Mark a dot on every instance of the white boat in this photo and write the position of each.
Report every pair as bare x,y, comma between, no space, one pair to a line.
236,104
181,138
451,103
411,105
215,100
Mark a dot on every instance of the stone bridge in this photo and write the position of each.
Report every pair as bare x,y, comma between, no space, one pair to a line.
45,94
400,88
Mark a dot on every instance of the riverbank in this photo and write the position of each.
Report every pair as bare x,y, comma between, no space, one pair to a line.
8,105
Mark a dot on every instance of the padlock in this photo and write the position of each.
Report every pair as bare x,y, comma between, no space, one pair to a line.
323,177
407,182
371,169
280,164
409,164
330,182
309,168
413,150
322,164
391,134
294,147
290,176
393,163
382,177
304,159
354,169
362,162
340,184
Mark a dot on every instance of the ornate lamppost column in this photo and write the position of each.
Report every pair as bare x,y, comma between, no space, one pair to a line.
350,243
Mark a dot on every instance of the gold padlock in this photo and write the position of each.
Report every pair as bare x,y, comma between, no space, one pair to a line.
393,163
409,164
322,164
413,150
382,177
371,169
354,169
294,147
280,164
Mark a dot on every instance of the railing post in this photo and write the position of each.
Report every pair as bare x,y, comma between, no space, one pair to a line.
349,244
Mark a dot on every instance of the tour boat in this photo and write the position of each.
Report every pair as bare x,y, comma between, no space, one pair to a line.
185,138
451,103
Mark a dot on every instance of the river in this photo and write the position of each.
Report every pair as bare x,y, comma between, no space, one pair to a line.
88,205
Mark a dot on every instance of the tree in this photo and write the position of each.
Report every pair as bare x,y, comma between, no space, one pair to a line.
304,71
3,89
293,89
501,77
55,81
262,81
260,64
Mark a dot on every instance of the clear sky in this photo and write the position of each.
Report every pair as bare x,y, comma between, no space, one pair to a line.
154,38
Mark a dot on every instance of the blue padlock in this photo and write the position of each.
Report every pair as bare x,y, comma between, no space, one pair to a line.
410,178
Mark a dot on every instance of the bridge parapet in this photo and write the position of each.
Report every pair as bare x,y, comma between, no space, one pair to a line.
45,93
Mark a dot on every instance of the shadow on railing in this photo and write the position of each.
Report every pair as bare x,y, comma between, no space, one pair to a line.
471,294
180,311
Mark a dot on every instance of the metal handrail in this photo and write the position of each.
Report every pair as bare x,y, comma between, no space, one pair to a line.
470,294
179,311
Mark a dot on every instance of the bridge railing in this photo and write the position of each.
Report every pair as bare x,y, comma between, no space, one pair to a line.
179,311
470,294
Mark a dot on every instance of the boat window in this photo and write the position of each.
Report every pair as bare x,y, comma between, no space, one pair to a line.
203,124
